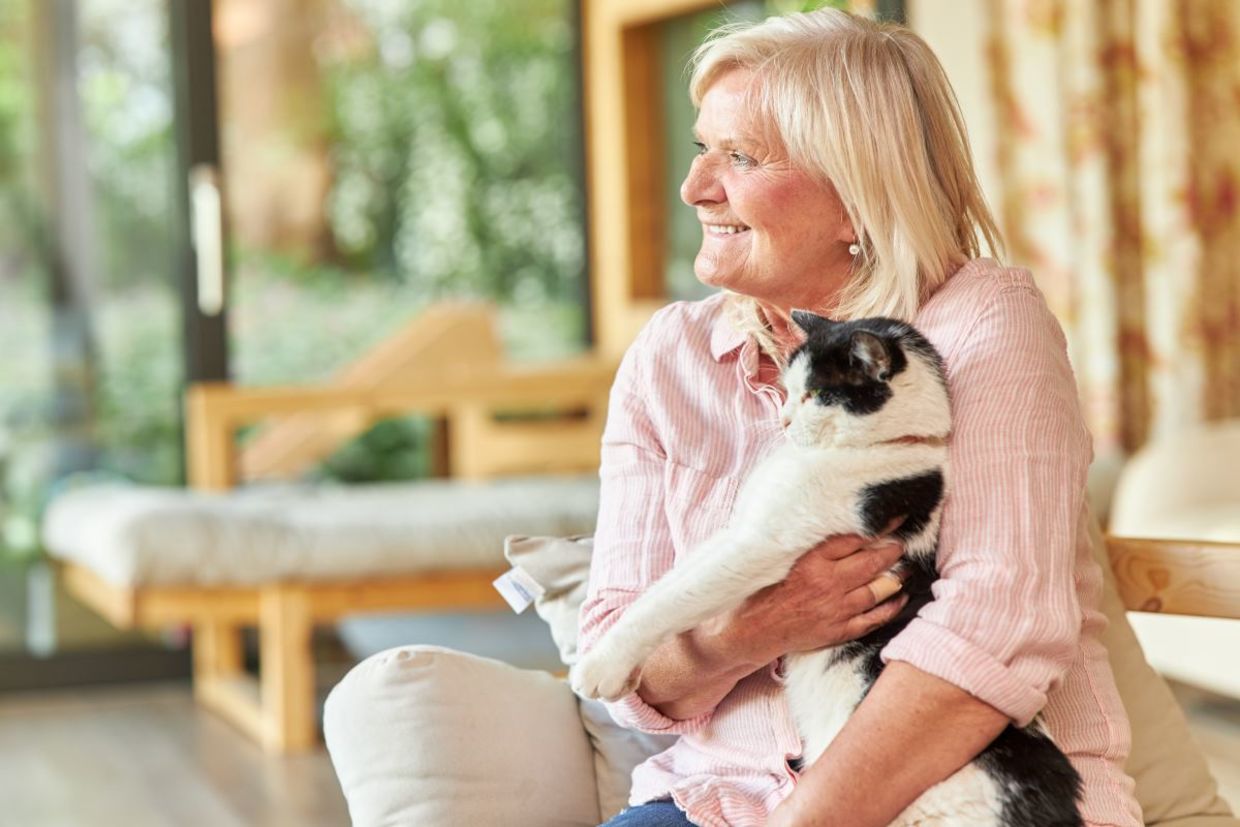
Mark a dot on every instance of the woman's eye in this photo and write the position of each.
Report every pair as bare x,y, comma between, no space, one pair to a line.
701,147
743,161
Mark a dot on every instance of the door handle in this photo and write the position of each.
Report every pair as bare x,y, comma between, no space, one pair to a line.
207,236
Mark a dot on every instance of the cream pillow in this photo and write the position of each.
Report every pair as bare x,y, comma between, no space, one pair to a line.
1173,784
562,566
422,736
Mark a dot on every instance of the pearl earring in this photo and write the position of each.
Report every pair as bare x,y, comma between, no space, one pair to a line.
854,248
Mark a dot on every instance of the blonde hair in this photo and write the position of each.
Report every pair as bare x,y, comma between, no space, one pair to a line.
867,107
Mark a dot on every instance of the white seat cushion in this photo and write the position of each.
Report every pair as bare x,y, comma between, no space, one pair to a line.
134,535
427,737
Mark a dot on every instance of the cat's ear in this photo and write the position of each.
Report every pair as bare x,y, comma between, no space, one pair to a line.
809,322
870,353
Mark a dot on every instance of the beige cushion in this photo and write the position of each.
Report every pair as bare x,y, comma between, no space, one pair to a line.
561,566
137,535
435,738
1173,783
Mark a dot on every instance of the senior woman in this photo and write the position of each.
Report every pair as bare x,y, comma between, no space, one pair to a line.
834,174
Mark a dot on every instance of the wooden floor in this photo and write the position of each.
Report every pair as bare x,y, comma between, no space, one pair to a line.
147,757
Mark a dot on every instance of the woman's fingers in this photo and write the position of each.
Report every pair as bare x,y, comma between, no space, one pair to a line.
881,614
885,585
840,546
866,564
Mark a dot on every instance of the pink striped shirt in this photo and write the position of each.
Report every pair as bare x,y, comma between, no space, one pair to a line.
1014,620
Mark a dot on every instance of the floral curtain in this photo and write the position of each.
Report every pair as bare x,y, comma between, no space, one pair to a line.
1117,142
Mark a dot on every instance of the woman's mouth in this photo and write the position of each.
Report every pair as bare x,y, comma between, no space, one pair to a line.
725,229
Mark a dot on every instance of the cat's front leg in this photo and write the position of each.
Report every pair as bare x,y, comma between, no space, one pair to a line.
612,668
609,671
725,570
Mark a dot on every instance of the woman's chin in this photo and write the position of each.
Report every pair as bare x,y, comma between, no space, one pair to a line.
709,273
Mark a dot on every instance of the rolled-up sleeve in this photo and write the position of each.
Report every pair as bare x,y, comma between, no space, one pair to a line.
632,542
1005,621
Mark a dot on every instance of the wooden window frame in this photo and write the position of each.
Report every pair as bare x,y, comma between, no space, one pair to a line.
625,161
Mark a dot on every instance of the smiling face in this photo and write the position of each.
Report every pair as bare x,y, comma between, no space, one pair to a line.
769,230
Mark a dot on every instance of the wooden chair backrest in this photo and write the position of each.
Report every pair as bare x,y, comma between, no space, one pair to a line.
1186,577
499,419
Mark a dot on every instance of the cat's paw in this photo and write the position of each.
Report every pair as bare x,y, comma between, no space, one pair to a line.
604,675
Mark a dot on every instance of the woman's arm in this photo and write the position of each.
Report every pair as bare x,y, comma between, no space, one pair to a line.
825,600
633,542
912,731
1005,622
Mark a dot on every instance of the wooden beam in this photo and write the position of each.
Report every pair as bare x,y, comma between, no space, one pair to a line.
568,382
626,160
429,591
461,333
224,608
647,12
645,162
286,664
218,651
116,604
236,700
1187,577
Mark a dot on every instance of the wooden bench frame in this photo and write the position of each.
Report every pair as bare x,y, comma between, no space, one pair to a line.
278,709
1166,576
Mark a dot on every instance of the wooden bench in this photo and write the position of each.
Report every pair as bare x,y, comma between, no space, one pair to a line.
497,420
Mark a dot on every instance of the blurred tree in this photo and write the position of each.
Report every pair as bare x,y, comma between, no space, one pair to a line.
455,134
275,122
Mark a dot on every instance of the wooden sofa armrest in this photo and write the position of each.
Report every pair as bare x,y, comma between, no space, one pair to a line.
1188,577
467,398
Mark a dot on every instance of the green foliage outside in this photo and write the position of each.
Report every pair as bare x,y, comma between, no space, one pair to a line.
455,144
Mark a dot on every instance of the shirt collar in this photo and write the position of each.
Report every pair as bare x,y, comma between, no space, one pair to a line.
725,338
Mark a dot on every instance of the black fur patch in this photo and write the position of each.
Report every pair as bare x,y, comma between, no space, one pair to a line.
1039,786
913,498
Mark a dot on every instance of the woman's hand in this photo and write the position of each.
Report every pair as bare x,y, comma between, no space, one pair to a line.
825,600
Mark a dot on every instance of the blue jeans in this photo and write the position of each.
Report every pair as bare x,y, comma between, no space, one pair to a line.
661,813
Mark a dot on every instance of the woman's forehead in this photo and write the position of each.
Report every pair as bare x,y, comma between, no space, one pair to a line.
729,116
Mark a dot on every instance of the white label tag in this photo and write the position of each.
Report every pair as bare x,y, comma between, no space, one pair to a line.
518,588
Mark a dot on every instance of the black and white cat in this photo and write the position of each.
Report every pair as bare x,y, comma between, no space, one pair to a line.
867,419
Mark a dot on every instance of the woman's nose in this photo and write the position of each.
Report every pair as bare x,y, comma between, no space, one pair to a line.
701,185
